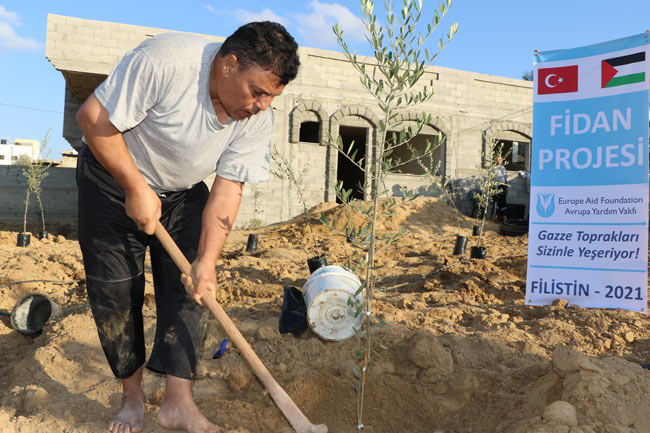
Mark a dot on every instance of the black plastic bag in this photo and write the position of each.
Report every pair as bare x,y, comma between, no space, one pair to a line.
293,316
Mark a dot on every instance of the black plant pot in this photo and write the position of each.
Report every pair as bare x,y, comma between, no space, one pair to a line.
459,248
477,252
251,245
23,239
316,262
43,235
476,231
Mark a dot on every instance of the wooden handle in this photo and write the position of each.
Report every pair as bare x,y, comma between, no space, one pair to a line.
296,418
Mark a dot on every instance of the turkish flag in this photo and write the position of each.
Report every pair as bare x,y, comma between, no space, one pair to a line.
557,80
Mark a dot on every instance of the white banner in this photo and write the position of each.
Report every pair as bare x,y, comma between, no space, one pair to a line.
588,237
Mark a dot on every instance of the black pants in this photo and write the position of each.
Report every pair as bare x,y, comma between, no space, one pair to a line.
113,250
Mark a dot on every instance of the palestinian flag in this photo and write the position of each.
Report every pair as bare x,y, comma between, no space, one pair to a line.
619,71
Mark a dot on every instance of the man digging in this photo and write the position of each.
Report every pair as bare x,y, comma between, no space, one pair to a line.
173,111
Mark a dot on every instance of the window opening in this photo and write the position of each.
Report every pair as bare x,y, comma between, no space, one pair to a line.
309,132
416,146
517,154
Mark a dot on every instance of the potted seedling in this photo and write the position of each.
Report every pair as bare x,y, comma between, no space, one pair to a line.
256,222
35,174
487,187
23,238
446,189
37,189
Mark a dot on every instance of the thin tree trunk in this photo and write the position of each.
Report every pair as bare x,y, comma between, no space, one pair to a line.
40,204
26,207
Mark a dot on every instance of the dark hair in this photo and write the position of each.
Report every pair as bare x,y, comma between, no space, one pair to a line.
267,45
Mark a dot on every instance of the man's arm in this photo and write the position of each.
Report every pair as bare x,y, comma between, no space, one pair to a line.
107,144
218,217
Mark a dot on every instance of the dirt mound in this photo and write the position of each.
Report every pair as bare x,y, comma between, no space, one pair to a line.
463,351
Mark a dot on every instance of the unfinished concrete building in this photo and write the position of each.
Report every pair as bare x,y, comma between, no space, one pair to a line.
327,98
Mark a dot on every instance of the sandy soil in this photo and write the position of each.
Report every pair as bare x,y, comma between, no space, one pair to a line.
463,352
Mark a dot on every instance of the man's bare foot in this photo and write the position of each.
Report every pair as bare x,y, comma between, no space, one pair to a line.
178,410
130,418
185,417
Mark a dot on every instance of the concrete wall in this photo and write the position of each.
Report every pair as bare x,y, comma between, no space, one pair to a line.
467,109
59,195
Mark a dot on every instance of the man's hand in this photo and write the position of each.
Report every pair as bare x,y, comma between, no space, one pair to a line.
203,279
143,206
218,216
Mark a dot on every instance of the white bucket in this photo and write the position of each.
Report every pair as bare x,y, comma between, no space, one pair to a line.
326,295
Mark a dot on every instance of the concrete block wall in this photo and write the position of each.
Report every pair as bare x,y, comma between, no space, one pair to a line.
76,44
468,108
71,131
278,199
59,195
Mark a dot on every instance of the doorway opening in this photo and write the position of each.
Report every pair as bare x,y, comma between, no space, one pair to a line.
351,175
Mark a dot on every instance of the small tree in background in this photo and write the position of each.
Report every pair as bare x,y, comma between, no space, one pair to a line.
25,161
286,171
35,173
443,185
400,59
487,182
527,76
256,221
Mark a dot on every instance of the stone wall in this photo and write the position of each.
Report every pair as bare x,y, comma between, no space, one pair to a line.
59,195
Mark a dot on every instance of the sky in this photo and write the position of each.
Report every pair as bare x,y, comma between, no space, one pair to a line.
494,37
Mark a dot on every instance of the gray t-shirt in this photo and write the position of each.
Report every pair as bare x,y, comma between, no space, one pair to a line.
158,97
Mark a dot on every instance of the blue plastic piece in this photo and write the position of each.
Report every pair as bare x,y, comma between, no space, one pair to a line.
222,348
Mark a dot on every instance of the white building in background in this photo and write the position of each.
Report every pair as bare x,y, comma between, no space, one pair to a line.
10,152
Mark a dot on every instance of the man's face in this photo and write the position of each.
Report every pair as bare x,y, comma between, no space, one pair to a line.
244,93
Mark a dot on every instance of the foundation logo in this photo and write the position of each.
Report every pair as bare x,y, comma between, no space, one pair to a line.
545,204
